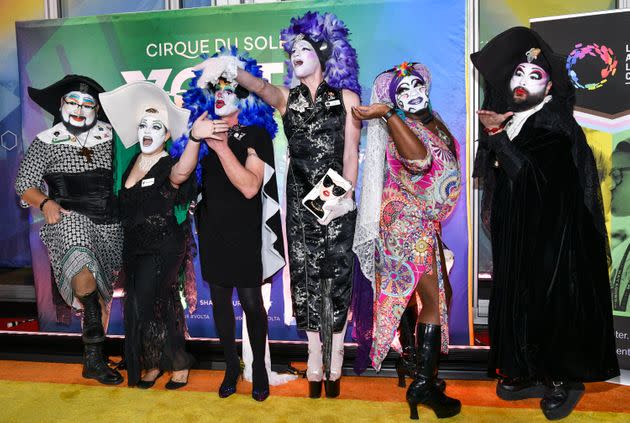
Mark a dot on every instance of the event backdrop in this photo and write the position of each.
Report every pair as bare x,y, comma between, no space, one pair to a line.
597,51
14,226
162,47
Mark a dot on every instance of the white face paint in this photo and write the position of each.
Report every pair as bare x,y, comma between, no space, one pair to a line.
78,109
225,101
528,80
151,134
411,94
304,59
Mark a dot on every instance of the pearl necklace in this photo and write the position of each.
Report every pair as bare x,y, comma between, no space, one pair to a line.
146,163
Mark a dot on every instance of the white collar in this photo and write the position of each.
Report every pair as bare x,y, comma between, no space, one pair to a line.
515,124
58,134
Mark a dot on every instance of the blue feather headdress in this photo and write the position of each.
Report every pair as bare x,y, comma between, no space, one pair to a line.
253,111
341,70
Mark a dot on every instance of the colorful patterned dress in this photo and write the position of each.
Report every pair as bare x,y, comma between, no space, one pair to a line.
417,196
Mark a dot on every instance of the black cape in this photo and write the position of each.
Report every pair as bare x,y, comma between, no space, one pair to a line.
550,311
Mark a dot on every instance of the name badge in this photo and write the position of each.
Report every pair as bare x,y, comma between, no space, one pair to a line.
331,103
147,182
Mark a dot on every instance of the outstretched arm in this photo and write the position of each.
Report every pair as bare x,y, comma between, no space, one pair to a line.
231,69
407,143
271,94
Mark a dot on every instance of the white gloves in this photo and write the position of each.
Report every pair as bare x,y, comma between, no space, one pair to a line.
345,205
217,67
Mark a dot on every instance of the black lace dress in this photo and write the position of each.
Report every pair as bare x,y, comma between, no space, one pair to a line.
154,249
320,256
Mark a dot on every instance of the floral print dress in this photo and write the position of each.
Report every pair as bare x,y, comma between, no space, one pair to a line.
417,196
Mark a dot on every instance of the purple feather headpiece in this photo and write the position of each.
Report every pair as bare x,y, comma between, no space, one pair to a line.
386,83
341,70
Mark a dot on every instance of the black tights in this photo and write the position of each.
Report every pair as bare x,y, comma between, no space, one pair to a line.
223,312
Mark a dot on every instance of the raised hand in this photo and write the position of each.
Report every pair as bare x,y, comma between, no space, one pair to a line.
218,140
205,128
216,67
491,120
373,111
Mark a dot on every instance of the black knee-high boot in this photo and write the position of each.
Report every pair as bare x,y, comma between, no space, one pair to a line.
406,363
94,364
423,390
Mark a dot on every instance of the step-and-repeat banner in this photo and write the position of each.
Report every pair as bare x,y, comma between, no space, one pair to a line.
597,50
163,46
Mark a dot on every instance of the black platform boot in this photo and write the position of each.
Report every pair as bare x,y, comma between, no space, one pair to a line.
519,388
423,390
406,363
561,398
94,363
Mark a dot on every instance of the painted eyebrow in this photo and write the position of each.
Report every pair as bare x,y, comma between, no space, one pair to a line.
73,96
519,67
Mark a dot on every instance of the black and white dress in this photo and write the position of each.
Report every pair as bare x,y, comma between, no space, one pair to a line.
240,239
89,236
320,256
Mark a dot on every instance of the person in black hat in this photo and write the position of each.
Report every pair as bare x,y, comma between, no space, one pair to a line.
550,318
84,241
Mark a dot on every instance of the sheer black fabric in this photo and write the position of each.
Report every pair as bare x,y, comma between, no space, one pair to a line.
154,250
252,303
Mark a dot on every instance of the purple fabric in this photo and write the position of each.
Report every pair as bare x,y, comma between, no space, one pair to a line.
362,315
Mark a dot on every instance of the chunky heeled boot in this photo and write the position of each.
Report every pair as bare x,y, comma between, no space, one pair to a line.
406,363
94,363
423,390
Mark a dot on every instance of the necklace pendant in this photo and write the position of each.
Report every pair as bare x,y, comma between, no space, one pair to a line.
87,153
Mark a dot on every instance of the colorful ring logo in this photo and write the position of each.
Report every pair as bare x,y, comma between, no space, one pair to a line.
580,52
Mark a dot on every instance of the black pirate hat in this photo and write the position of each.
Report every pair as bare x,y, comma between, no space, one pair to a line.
497,60
49,98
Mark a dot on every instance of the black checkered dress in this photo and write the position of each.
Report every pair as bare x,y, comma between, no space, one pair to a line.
75,241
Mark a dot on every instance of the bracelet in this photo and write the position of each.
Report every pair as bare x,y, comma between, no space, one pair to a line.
193,139
44,201
492,131
387,115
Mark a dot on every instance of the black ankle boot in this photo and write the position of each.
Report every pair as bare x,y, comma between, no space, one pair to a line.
560,399
423,390
95,367
94,363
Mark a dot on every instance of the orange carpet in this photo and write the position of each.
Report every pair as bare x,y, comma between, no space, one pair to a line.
603,397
